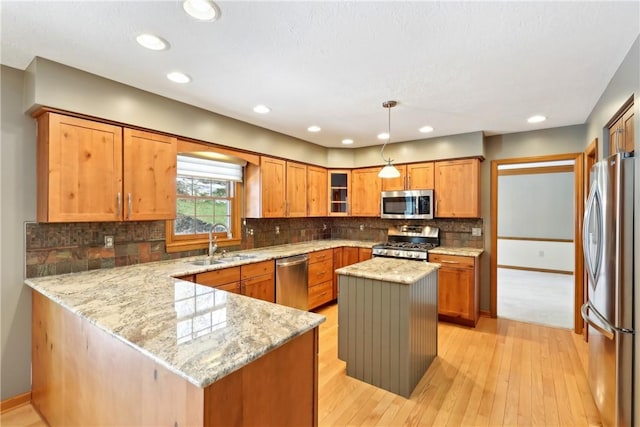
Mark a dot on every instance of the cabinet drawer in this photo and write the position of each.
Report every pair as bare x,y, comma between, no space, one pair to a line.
320,294
453,261
257,269
219,277
230,287
320,256
320,272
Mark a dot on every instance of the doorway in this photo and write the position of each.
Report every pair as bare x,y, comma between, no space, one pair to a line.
536,240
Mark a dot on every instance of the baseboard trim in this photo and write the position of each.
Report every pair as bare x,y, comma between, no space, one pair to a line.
485,313
15,401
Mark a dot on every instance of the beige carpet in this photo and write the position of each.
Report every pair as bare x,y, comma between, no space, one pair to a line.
534,297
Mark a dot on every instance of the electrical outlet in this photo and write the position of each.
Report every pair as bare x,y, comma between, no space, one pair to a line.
277,229
540,253
476,231
361,227
108,242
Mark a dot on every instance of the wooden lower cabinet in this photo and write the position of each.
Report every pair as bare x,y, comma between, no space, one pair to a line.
258,280
82,375
225,279
320,278
458,288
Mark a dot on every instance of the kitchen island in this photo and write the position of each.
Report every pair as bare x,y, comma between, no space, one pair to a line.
135,346
388,321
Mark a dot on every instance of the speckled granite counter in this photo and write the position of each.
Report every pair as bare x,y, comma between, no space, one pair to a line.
165,318
390,270
446,250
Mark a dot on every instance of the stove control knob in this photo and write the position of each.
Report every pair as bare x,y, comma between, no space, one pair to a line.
395,253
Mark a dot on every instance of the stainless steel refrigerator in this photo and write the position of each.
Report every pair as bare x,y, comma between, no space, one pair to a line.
608,253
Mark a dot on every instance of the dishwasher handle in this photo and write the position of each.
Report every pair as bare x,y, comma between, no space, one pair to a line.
288,262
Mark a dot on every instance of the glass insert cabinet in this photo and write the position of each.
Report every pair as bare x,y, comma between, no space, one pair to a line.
339,192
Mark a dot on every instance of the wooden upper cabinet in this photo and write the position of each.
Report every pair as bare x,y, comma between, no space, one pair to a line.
414,176
365,190
149,175
457,188
316,191
79,170
296,182
273,187
621,136
420,176
276,189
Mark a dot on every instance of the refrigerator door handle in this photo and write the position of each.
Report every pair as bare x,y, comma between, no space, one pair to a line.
603,328
586,242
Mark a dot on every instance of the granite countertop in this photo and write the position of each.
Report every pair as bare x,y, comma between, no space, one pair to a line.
390,270
195,331
446,250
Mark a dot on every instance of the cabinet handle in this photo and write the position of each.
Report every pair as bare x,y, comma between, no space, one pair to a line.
444,261
119,204
128,205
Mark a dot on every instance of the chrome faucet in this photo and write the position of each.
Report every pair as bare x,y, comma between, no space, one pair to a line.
213,240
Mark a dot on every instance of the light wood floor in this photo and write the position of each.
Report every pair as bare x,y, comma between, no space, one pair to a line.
502,373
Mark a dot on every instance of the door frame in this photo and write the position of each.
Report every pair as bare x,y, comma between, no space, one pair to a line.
578,203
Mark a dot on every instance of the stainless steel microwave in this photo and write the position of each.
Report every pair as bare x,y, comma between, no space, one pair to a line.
408,204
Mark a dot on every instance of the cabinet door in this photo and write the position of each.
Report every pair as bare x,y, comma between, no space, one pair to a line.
149,175
396,184
457,188
364,254
420,176
455,287
350,255
366,188
296,201
79,170
260,287
234,287
339,192
273,187
316,191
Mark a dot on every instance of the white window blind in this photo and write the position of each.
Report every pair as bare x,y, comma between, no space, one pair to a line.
206,168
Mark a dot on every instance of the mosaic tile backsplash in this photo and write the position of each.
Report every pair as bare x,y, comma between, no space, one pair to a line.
73,247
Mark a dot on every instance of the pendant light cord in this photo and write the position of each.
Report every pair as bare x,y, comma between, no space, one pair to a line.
388,105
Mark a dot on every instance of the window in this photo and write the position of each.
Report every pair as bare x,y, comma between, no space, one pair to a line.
207,199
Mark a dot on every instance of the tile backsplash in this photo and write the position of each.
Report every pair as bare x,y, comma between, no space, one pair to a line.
53,248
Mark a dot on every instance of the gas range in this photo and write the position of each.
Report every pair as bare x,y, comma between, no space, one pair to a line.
409,242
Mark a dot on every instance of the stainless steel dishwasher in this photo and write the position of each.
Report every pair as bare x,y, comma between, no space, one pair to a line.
291,281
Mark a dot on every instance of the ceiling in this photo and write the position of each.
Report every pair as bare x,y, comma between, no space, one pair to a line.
455,66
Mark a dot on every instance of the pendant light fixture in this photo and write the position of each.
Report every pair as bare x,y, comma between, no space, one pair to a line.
388,171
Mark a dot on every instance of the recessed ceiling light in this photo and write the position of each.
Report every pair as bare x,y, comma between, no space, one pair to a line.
426,129
261,109
383,135
152,42
202,10
347,141
178,77
314,128
536,119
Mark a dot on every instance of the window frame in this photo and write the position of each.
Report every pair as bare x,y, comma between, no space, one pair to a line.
179,243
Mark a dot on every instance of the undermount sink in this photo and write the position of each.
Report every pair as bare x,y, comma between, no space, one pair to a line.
206,261
222,260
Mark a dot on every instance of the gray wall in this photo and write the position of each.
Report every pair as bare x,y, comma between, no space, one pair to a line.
18,188
536,205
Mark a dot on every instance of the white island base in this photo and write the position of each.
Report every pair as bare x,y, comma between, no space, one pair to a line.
388,321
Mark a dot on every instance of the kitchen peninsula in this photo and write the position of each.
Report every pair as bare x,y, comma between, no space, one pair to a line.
388,321
135,346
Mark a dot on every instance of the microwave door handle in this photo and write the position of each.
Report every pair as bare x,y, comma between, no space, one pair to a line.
585,235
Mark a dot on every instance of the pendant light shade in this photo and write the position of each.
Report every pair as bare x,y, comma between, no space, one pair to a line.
388,171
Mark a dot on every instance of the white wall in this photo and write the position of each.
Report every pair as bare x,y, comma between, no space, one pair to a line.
545,255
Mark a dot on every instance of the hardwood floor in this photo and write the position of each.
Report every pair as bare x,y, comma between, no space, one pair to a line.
502,373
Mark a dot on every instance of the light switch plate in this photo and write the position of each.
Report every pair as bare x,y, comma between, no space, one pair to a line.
476,231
